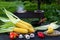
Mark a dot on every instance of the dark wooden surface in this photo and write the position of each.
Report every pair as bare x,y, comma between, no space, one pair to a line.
6,37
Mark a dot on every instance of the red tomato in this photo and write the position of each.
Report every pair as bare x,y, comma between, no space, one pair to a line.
41,35
13,35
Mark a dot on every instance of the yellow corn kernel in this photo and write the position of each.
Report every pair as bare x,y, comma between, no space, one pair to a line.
20,25
23,22
20,30
24,25
31,30
29,25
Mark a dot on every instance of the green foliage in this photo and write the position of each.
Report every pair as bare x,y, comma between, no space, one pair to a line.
52,11
30,6
11,6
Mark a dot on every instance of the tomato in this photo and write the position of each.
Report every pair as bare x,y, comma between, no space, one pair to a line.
41,35
13,35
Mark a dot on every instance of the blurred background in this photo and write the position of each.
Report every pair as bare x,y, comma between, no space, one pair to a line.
51,7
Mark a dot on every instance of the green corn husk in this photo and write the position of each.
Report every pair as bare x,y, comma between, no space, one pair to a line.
3,19
13,18
6,27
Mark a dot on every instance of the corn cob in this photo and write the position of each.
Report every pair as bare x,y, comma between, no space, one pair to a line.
18,22
31,30
20,30
21,25
30,26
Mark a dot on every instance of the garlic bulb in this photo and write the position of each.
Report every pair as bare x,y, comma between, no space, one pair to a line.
27,36
32,35
21,36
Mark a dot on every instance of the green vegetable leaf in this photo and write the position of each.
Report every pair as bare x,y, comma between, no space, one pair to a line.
13,18
4,19
7,24
6,27
3,30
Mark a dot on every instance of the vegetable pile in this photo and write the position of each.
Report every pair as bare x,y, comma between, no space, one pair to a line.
20,25
17,27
